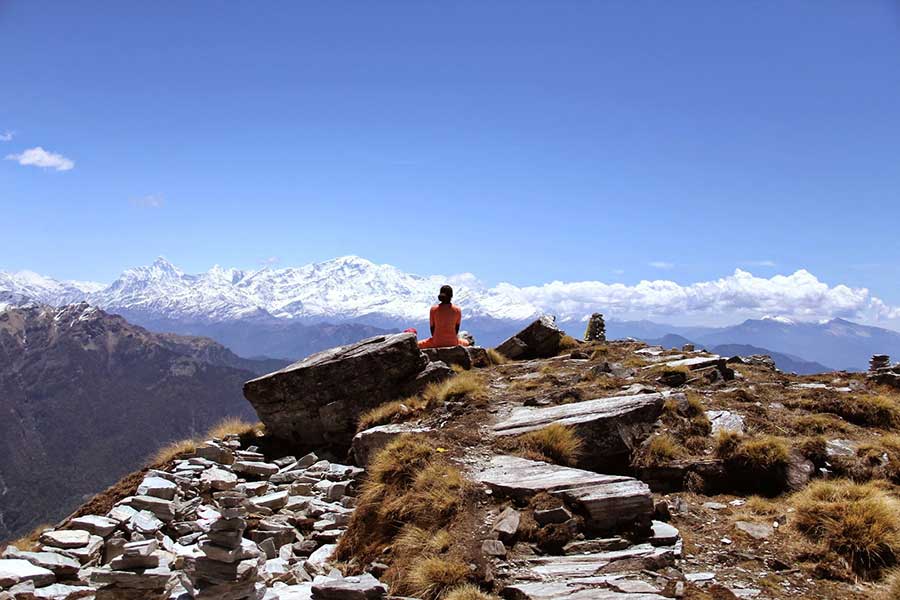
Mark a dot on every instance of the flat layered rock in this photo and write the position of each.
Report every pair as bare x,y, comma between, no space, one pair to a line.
317,400
362,587
562,590
62,566
17,570
608,501
609,427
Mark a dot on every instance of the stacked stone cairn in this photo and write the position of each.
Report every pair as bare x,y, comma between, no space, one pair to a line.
229,565
879,361
882,372
596,329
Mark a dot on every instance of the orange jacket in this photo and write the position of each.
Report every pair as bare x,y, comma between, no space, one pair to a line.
445,320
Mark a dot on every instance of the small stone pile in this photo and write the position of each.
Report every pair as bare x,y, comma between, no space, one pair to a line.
596,329
879,361
139,573
227,522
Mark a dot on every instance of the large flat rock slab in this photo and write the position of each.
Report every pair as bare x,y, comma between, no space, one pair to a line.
318,399
608,502
609,427
563,590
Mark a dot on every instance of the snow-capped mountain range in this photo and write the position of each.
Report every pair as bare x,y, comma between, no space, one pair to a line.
342,289
290,312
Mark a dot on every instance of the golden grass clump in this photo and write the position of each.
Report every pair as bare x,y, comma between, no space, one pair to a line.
760,453
390,412
821,423
430,578
496,357
467,385
659,450
567,342
763,506
234,426
873,454
468,592
860,522
870,411
555,444
687,416
174,450
408,502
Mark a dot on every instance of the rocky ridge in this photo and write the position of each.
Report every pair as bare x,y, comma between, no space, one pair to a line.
240,519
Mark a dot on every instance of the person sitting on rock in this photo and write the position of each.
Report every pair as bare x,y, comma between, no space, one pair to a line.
444,319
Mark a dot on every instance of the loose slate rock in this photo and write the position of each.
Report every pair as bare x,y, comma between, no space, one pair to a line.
71,538
362,587
609,501
16,570
316,401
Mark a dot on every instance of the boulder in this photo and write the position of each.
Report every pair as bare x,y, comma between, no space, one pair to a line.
317,400
453,355
541,339
434,372
368,442
609,427
607,501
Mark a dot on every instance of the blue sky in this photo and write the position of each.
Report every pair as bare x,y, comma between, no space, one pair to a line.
521,141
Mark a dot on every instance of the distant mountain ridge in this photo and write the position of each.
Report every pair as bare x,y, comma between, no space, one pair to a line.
87,396
289,313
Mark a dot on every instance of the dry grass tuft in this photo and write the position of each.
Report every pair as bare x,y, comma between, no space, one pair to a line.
555,444
821,423
408,502
174,450
757,464
567,342
870,411
496,358
234,426
659,450
763,506
860,522
762,453
390,412
434,576
686,417
467,385
468,592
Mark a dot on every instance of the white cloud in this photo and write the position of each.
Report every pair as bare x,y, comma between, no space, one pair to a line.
660,264
149,201
7,136
38,157
741,295
272,260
